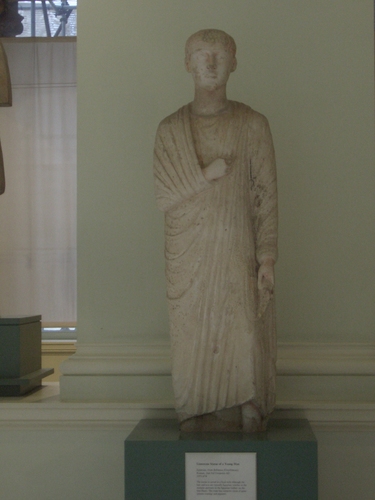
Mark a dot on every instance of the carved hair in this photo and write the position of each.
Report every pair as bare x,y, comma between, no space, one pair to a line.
211,36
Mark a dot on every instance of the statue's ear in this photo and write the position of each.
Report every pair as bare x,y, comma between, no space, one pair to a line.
187,64
234,65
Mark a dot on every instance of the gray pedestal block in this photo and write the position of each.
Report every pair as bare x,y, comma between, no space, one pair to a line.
286,459
21,355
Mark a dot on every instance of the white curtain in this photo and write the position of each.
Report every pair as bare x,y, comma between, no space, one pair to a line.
38,208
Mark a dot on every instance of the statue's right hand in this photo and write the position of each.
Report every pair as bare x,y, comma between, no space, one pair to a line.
216,169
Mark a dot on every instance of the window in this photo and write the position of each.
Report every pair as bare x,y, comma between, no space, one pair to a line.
38,208
48,18
38,18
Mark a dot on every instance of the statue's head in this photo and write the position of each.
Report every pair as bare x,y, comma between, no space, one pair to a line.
210,36
210,56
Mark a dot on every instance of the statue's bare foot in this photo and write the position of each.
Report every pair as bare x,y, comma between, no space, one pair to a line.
252,419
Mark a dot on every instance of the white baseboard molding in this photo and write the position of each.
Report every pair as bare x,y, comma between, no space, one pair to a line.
141,369
43,409
326,359
330,416
153,358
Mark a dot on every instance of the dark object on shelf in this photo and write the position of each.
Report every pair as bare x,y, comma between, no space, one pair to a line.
21,355
10,20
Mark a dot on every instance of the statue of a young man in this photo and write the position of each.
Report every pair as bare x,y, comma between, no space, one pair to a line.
215,179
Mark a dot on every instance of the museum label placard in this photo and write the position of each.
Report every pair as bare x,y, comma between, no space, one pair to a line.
211,476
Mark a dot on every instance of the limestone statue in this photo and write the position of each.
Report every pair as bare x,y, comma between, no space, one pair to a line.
5,100
215,180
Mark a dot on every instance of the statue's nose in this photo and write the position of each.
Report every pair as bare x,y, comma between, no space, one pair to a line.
211,62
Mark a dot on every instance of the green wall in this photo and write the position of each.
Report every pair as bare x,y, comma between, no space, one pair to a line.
308,66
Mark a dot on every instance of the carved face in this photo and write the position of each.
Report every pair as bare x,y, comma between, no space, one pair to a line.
210,64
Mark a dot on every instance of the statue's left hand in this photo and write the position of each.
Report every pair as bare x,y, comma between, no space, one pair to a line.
266,274
266,281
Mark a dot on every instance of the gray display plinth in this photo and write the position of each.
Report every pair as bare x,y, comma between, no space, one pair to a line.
21,355
286,459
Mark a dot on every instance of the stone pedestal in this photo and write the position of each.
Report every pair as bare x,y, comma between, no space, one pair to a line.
286,456
21,355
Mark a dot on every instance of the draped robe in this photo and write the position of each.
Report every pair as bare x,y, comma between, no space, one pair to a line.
216,235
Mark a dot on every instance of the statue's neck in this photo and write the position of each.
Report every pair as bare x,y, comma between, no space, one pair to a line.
209,102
